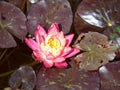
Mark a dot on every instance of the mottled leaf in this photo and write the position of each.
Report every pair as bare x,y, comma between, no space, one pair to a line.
23,78
110,76
12,22
67,79
45,12
97,50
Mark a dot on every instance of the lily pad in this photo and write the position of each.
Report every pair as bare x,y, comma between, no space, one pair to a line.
109,75
97,14
67,79
12,23
23,78
45,12
97,50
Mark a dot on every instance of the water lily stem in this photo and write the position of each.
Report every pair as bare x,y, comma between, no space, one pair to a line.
3,59
2,54
6,73
9,72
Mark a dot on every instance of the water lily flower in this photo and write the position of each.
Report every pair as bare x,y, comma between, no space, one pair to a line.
51,48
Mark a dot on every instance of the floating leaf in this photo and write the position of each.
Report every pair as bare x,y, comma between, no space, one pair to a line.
45,12
6,39
97,14
97,50
12,22
24,78
110,76
63,79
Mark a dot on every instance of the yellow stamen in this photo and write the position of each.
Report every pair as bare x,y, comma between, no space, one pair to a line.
53,42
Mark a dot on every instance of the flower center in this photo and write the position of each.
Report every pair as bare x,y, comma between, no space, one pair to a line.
53,42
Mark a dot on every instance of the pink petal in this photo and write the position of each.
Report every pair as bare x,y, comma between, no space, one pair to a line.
48,63
31,43
60,35
72,53
37,55
69,39
66,51
49,56
61,65
59,59
39,38
40,31
61,38
54,29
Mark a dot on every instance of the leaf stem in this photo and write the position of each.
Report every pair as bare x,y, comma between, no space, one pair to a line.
2,54
9,72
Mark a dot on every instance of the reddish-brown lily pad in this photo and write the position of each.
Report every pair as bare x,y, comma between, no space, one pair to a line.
45,12
97,14
67,79
110,76
12,22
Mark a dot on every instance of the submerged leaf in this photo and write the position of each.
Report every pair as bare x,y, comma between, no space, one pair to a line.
63,79
12,22
46,12
23,78
97,50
